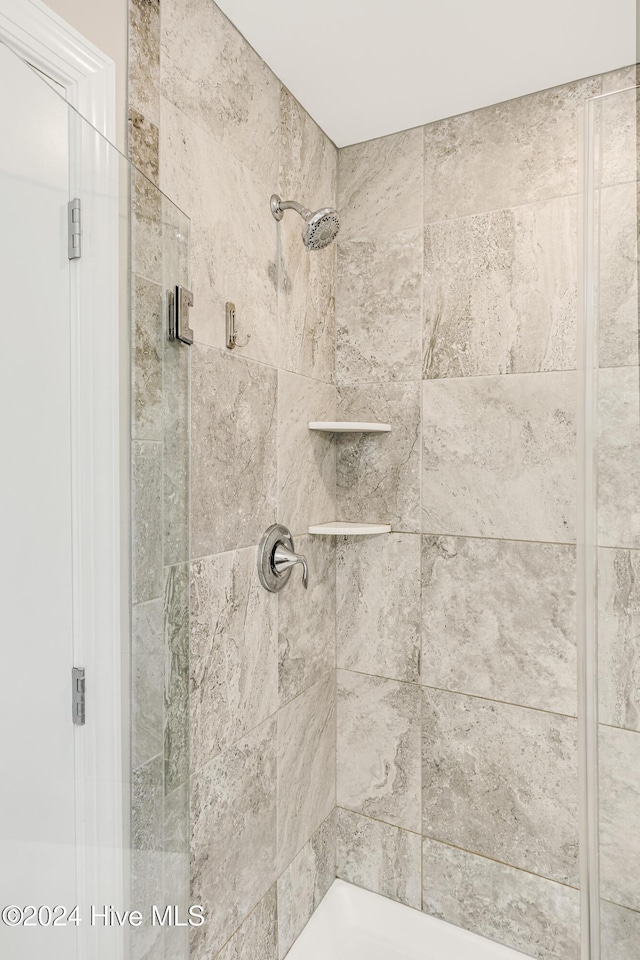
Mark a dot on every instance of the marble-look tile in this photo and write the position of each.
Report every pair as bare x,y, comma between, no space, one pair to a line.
146,520
176,866
233,836
306,458
307,620
378,767
620,79
147,678
306,767
499,620
500,292
144,145
233,237
147,228
378,474
379,857
618,277
176,451
176,679
378,308
619,782
304,883
146,362
144,57
380,185
209,71
176,848
257,938
501,781
517,152
146,854
378,605
234,658
619,638
531,914
499,456
617,117
306,303
620,932
233,468
618,445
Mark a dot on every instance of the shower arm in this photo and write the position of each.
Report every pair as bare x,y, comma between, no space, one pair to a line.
278,207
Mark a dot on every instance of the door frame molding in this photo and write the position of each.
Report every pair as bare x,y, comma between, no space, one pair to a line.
100,620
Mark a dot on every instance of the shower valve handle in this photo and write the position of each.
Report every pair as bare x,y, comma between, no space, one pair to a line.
284,559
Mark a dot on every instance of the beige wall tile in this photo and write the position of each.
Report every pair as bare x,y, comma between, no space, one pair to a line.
521,151
306,300
619,638
378,308
233,235
306,766
380,185
233,836
379,748
501,781
618,451
617,280
306,458
234,652
211,74
499,620
378,605
378,474
500,292
307,620
304,883
499,457
537,916
620,932
619,811
258,935
379,857
234,428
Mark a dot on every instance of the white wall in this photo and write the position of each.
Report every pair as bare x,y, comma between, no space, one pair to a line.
104,23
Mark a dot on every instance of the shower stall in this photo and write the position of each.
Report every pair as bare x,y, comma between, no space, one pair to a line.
369,684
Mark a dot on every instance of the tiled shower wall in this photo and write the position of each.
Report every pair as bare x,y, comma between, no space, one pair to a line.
456,316
220,134
618,529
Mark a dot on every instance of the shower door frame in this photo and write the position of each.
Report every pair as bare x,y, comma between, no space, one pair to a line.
37,34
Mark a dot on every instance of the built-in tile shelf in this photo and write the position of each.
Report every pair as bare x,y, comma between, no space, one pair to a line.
346,426
343,528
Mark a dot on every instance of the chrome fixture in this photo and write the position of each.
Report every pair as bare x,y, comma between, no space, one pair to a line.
322,226
179,300
277,558
232,333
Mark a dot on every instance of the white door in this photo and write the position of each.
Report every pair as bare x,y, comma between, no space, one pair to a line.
37,806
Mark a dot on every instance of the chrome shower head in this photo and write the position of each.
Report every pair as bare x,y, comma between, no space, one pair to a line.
322,226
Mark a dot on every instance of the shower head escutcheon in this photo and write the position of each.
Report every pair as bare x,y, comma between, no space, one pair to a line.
322,226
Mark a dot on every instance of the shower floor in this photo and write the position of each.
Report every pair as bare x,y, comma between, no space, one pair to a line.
354,924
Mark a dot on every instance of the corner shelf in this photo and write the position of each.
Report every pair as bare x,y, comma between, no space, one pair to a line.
346,426
344,528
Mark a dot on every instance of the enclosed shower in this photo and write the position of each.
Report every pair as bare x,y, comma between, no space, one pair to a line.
357,674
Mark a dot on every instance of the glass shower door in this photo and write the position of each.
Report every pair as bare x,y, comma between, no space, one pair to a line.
611,527
94,482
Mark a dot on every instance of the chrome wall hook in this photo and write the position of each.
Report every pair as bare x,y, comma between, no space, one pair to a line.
232,334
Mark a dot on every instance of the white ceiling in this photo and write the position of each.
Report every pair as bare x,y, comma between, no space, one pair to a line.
365,68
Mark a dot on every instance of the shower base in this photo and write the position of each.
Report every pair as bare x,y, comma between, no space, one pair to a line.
354,924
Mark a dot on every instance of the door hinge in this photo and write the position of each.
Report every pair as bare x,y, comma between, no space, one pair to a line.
78,695
75,229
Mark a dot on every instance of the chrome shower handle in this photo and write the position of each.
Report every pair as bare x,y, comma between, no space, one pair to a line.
284,559
276,558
